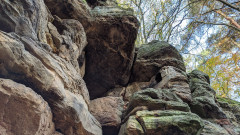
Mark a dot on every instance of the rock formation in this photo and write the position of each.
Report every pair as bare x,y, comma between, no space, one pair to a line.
71,68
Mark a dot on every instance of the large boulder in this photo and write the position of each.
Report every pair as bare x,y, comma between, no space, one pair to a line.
152,57
110,49
203,96
111,33
23,112
108,111
25,61
168,122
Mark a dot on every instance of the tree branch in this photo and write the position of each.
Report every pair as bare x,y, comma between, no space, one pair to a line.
229,5
218,24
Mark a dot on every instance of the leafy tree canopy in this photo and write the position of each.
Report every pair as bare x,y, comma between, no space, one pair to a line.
206,32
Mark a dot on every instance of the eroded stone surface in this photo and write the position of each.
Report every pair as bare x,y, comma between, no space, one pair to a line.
109,59
23,112
71,9
131,127
24,61
152,57
173,78
160,99
170,122
108,111
203,96
24,17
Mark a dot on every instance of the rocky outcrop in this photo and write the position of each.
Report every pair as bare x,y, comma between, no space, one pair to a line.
29,59
159,99
50,48
111,33
144,105
110,49
108,111
203,96
64,90
152,57
169,122
23,112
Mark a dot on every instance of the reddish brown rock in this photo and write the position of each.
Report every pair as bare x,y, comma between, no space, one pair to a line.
110,49
24,60
22,111
108,111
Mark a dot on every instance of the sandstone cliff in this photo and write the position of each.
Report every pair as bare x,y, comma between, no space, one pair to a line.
71,67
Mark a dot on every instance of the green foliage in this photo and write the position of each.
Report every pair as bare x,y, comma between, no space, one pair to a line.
192,26
222,66
227,100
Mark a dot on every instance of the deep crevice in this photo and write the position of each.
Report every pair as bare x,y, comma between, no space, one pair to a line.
158,78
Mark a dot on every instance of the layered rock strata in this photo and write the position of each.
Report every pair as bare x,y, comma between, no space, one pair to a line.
70,67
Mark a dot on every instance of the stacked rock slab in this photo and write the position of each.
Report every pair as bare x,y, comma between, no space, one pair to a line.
111,33
159,111
203,96
217,121
152,57
46,50
160,64
27,58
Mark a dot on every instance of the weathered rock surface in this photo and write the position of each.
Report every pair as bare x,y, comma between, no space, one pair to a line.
108,111
160,99
131,127
213,129
24,17
53,78
170,122
163,122
71,9
203,95
152,57
110,49
22,111
232,110
173,78
50,48
127,92
70,42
